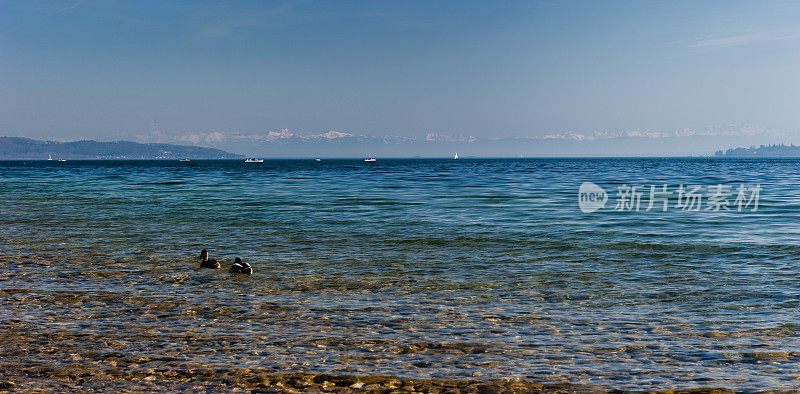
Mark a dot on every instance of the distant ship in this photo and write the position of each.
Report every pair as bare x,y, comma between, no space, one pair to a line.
370,159
49,157
456,156
317,159
62,160
184,160
254,160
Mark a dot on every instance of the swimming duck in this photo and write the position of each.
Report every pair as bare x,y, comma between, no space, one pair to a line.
206,262
240,267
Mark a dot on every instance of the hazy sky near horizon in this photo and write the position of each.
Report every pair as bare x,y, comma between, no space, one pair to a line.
108,69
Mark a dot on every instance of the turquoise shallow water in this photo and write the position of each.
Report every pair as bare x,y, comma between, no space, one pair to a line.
474,268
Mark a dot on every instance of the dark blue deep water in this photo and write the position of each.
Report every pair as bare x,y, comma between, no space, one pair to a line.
470,268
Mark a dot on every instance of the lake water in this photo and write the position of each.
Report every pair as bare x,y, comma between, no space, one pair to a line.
469,268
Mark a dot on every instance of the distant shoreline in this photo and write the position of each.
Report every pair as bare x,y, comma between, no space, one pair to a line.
18,148
379,159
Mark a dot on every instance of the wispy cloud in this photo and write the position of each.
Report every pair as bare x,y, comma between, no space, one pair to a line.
58,11
396,20
731,41
63,10
225,19
742,39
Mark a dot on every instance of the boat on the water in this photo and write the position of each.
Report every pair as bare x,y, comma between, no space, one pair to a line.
62,160
184,160
370,159
254,160
456,156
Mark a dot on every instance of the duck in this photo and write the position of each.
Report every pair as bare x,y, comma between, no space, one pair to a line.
240,267
206,262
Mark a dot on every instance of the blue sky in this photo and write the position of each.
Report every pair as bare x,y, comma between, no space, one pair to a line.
127,69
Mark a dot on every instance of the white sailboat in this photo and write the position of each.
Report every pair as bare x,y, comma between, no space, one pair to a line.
456,156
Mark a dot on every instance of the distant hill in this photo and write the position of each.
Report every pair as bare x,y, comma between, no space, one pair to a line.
12,148
762,151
